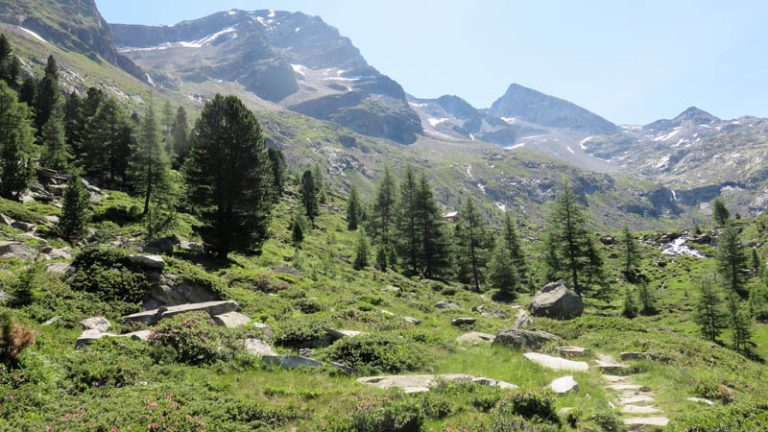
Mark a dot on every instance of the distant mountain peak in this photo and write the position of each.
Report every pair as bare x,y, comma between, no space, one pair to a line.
696,115
539,108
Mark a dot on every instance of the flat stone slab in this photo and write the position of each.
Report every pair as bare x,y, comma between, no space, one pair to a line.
258,348
231,320
636,399
152,316
640,422
420,383
564,385
462,321
700,400
340,334
611,366
476,337
138,335
412,320
639,409
89,336
95,323
615,378
624,387
572,351
153,262
556,363
292,361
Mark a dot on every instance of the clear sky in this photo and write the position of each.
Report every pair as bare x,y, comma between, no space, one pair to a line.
631,61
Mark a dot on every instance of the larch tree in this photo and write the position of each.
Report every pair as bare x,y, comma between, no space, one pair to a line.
180,137
362,250
382,220
17,140
354,209
9,64
54,139
434,253
309,196
631,257
74,212
228,177
740,324
409,246
709,313
472,245
47,93
720,212
732,264
501,270
512,240
279,168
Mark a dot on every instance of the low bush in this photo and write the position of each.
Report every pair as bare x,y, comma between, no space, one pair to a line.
397,414
375,353
306,332
308,305
111,283
534,405
261,282
194,339
575,328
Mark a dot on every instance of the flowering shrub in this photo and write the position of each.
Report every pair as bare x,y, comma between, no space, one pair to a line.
166,415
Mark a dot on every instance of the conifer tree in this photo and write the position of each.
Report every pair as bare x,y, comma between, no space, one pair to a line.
180,137
277,161
74,212
434,252
472,245
629,246
9,64
740,324
384,209
228,177
720,213
361,251
571,242
647,300
512,240
630,305
54,140
309,196
16,145
167,128
108,147
317,176
149,164
409,247
47,93
732,261
709,314
354,209
501,270
28,92
297,231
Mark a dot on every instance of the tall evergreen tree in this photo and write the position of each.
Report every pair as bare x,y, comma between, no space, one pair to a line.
512,241
472,245
572,243
317,176
409,247
629,246
309,196
384,209
709,314
167,128
501,270
297,231
434,253
732,261
16,145
28,92
361,252
720,213
9,64
630,305
149,164
47,93
74,212
277,162
647,300
740,324
354,209
54,140
180,137
228,177
109,147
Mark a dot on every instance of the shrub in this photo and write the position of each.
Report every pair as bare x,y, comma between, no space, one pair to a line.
111,283
575,328
302,333
376,353
387,415
193,339
261,282
104,364
15,339
308,305
529,404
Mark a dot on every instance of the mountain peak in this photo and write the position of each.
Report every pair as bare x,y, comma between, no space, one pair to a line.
696,115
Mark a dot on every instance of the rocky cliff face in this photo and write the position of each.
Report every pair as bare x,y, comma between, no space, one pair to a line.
75,25
291,59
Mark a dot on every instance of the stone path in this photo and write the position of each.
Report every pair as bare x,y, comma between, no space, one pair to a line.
633,401
422,383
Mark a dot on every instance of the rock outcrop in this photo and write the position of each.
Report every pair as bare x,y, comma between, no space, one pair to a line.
523,339
556,301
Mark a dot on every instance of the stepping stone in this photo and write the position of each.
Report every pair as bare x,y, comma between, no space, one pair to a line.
556,363
494,383
614,378
639,409
635,399
564,384
523,339
632,355
231,320
258,347
292,361
341,334
475,337
572,351
152,316
623,387
700,400
463,321
638,423
607,364
418,383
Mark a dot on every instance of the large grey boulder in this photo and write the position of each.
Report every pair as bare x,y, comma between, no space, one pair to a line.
258,348
100,324
556,301
174,290
152,316
523,339
231,320
341,334
475,337
556,363
150,262
14,249
564,385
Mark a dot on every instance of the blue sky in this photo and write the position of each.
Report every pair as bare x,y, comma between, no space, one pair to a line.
629,61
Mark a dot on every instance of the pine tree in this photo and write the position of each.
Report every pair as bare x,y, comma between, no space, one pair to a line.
719,212
54,140
354,209
741,326
108,148
472,245
16,145
576,253
28,92
74,212
277,161
630,305
434,252
47,94
709,314
384,209
647,300
629,247
317,176
9,64
501,270
409,248
149,165
228,177
167,128
732,261
512,240
361,252
180,137
309,196
297,231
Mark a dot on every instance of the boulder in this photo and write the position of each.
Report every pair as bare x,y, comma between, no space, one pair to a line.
174,290
57,254
100,324
231,320
445,304
58,268
632,355
391,289
556,363
475,337
265,329
6,220
14,249
422,383
150,262
89,336
286,269
258,348
24,226
412,320
162,245
556,301
639,423
700,400
138,335
51,320
523,339
341,334
564,384
524,319
572,351
494,383
152,316
292,361
463,321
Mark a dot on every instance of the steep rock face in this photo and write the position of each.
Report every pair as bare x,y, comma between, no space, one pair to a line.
535,107
75,25
292,59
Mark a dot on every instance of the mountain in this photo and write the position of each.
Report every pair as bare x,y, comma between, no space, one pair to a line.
532,106
75,25
692,115
291,59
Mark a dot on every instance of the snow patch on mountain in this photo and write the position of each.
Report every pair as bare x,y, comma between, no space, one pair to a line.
33,34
